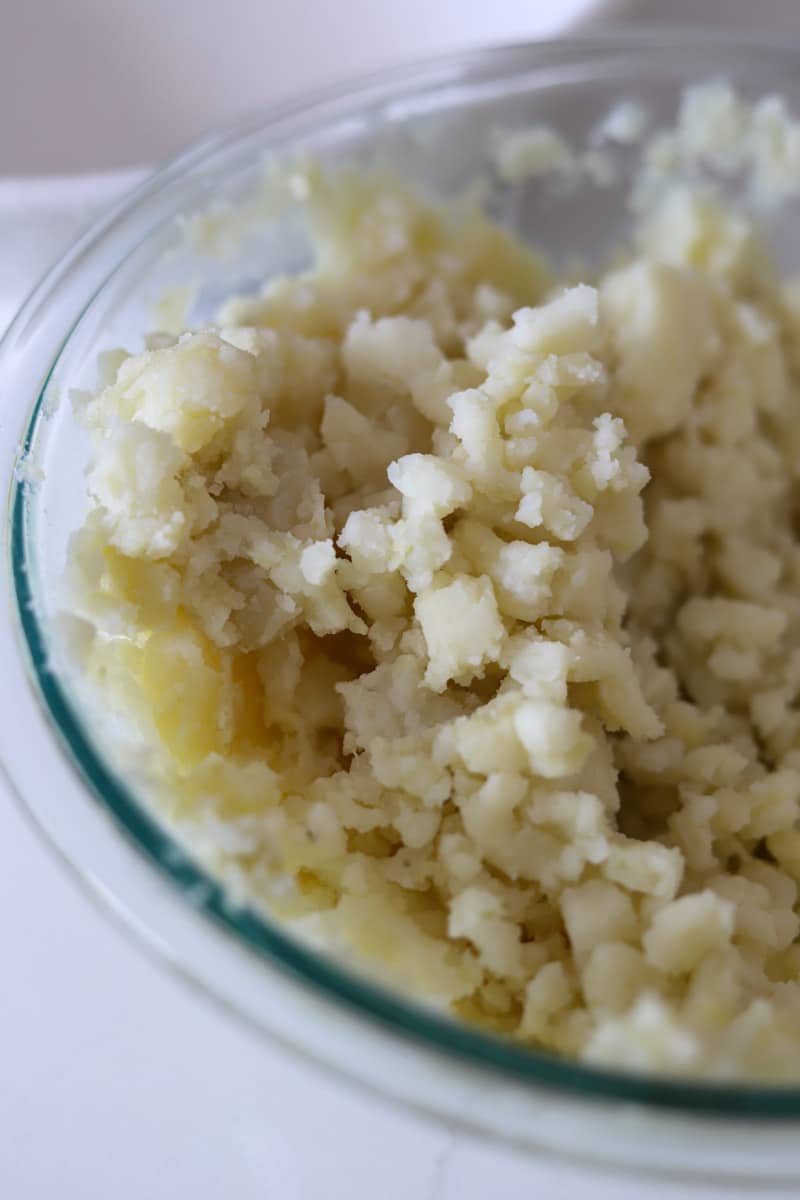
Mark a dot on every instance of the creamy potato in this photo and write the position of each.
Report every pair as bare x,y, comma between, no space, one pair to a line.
464,607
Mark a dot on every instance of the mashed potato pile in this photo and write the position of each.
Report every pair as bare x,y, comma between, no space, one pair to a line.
465,607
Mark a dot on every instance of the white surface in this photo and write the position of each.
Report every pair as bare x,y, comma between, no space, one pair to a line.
113,1080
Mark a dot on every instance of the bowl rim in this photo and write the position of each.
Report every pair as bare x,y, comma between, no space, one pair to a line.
259,934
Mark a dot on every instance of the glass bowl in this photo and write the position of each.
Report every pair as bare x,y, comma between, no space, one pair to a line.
434,123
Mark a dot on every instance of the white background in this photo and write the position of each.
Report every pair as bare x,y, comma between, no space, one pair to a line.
114,1082
104,83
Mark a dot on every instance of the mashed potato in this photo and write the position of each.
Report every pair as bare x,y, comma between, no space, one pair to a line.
465,608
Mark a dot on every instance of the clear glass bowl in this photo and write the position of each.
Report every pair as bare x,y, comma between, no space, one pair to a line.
433,122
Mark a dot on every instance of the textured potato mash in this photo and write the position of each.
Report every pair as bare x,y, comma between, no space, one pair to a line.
464,605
